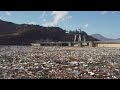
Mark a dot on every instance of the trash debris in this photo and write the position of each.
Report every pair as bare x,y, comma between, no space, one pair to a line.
29,62
91,73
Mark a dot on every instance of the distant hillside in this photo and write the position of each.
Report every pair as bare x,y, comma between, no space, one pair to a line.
22,34
100,37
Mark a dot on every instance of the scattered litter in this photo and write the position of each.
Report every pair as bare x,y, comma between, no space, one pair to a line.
29,62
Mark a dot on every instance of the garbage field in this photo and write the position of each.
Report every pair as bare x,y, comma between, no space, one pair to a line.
56,62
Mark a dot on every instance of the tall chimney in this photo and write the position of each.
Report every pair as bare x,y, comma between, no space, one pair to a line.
79,39
75,38
84,38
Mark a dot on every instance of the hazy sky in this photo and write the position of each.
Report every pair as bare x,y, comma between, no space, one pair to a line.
106,23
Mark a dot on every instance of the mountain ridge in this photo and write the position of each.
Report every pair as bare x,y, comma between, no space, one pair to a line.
103,38
12,33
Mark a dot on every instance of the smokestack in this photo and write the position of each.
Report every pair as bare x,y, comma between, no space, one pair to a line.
79,39
75,38
84,38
